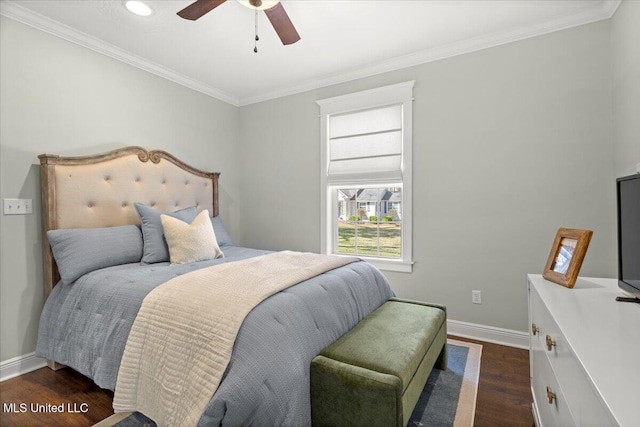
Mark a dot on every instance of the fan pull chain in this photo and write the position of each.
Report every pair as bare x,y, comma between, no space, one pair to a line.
255,46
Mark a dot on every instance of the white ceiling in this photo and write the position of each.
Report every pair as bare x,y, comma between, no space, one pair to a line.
341,39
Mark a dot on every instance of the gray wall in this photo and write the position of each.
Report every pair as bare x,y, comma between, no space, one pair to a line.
625,33
510,143
60,98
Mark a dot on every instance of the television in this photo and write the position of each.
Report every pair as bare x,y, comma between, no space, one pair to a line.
628,201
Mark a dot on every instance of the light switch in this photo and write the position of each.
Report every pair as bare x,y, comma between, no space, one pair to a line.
18,206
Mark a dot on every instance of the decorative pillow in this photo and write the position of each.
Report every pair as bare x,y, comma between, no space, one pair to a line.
155,246
191,242
221,232
78,251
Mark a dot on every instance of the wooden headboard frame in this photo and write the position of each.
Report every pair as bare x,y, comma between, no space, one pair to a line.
100,190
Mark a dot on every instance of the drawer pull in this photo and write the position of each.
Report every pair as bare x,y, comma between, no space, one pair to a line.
550,343
551,395
534,329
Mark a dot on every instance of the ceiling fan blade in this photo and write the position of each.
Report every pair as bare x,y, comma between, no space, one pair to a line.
199,8
282,24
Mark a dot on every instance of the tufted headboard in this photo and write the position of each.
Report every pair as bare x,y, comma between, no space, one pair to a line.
100,190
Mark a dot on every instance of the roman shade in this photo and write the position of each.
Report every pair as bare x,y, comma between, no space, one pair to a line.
366,145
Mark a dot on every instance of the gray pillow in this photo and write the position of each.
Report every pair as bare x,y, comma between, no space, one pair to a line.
155,245
222,236
79,251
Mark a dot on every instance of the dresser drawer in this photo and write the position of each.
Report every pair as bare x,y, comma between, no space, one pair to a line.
548,333
545,387
585,405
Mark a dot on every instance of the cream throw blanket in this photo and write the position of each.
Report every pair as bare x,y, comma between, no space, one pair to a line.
181,340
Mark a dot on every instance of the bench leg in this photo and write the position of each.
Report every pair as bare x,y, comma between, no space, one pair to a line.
441,362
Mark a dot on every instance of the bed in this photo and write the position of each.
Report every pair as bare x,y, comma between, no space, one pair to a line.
95,293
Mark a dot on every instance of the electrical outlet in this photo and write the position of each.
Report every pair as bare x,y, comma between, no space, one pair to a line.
18,206
476,297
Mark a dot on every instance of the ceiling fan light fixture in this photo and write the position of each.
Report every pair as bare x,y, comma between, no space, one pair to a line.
274,10
137,7
259,4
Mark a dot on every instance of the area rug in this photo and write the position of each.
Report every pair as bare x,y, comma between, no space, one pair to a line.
448,399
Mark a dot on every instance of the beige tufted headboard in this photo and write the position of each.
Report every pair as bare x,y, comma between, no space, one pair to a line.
100,190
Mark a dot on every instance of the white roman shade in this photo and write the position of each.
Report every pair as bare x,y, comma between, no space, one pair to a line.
365,145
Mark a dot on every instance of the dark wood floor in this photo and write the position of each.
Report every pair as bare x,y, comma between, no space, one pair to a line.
504,392
504,396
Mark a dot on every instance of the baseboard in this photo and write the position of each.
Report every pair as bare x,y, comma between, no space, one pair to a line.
20,365
488,333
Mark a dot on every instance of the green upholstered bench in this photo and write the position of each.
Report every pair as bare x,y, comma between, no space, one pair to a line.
375,373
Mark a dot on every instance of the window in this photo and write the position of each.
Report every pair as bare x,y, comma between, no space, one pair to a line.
368,224
366,175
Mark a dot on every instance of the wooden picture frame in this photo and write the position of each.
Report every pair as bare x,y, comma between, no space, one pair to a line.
565,259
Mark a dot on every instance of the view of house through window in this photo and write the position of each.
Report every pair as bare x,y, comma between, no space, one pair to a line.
370,222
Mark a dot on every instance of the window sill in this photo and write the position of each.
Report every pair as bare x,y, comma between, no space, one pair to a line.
387,264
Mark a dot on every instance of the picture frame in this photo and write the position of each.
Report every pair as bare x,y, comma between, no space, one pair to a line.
566,256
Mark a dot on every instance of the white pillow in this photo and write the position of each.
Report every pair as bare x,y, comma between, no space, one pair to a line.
190,242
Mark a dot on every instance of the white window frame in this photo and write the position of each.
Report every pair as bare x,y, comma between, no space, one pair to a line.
401,93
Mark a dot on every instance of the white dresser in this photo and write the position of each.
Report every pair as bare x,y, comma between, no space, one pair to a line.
584,354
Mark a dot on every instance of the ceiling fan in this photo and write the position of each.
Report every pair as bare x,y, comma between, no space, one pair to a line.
273,9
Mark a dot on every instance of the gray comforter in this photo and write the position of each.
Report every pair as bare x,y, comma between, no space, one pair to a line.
85,325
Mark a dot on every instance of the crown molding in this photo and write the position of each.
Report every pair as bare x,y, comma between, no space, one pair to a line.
18,13
605,11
